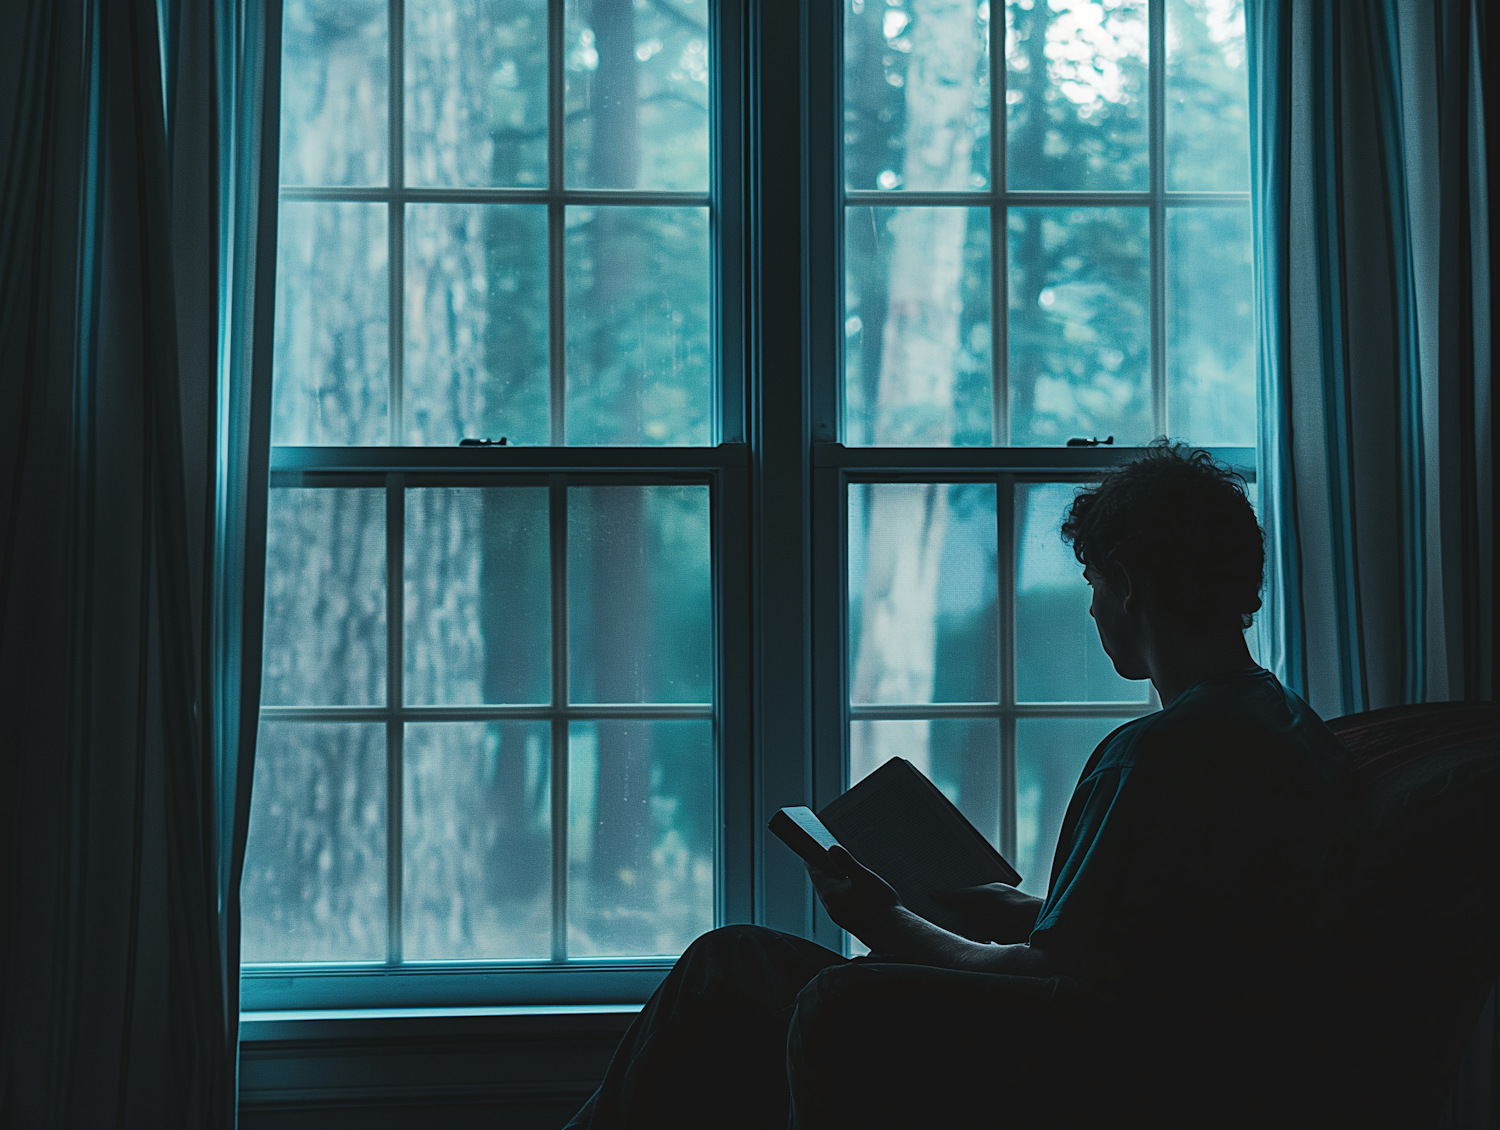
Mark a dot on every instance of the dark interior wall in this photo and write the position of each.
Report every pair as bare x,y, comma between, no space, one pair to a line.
432,1073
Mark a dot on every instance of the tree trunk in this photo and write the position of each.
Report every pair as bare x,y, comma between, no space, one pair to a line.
906,524
622,842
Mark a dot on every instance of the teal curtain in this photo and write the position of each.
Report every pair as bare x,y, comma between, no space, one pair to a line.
1371,248
137,217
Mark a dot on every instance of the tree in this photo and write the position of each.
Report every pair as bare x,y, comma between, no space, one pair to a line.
914,398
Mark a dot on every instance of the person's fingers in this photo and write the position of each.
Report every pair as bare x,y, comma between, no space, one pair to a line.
856,872
833,868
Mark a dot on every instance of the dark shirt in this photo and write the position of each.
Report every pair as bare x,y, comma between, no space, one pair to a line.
1182,847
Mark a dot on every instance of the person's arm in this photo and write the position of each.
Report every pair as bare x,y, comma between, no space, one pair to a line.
1003,913
868,907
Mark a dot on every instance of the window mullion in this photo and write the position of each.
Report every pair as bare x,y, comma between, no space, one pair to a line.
556,229
395,564
999,253
558,550
1156,134
1005,605
396,219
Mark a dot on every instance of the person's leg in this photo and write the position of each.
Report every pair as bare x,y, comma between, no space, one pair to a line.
709,1047
875,1045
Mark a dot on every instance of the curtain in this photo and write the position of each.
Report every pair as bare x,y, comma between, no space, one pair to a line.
1371,241
136,256
1373,319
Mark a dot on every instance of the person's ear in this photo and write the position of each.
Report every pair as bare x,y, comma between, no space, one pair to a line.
1126,589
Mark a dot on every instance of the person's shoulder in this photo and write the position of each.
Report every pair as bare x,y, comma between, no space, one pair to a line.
1246,714
1120,748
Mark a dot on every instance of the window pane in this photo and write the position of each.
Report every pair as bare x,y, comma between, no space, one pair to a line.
1058,654
315,875
476,323
325,598
641,821
637,94
335,67
331,367
922,622
917,326
1210,333
1075,94
477,841
916,94
962,758
640,625
637,313
1080,336
478,601
1208,92
476,93
1050,754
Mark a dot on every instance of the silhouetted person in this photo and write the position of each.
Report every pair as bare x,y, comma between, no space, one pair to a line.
1162,976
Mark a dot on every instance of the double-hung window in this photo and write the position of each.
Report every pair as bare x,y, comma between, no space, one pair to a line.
1045,240
514,742
504,476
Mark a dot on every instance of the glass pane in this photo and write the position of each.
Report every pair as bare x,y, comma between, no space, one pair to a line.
1210,331
1058,654
325,598
917,357
476,323
1080,325
922,582
478,602
637,313
477,841
637,94
315,876
1208,96
640,625
331,365
1075,94
960,757
641,820
1050,755
335,75
476,93
916,94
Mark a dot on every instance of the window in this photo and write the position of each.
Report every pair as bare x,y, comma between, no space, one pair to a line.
492,722
526,706
1048,245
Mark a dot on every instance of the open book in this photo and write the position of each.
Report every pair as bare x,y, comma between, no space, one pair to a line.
900,826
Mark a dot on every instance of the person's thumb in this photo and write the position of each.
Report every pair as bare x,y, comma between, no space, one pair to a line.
852,867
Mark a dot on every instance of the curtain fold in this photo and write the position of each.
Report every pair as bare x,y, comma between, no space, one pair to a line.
1369,198
134,214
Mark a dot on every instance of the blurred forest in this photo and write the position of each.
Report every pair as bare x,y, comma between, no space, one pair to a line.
920,340
472,332
476,816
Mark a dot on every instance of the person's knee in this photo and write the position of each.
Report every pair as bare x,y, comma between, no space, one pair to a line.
726,941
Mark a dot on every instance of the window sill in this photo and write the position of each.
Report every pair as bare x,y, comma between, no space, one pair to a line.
310,988
276,1026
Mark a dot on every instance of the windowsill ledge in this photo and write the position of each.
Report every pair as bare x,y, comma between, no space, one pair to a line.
356,1024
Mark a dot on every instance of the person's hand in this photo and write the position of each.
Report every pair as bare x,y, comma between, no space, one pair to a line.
857,899
1001,913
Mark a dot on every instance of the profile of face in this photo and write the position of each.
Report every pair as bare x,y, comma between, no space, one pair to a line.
1118,620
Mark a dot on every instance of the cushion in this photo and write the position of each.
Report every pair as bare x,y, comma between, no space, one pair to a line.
1409,891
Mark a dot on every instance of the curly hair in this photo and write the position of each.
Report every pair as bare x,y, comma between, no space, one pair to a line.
1181,522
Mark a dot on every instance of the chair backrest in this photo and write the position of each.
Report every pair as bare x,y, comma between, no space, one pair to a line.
1410,886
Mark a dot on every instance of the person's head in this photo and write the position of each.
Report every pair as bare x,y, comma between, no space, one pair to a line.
1170,537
